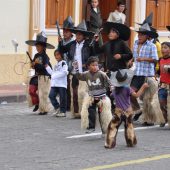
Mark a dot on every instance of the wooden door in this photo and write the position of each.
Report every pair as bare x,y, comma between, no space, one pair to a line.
161,13
57,10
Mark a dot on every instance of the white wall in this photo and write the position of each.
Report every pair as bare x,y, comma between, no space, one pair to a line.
14,17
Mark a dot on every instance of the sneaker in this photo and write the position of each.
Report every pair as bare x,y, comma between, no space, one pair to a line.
61,115
56,112
36,108
91,130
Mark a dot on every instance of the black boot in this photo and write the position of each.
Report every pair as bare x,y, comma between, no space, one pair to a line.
137,115
36,108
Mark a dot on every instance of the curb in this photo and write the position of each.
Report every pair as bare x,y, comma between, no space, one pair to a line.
12,99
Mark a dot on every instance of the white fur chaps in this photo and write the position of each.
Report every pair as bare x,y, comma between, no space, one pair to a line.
81,92
43,92
105,115
151,108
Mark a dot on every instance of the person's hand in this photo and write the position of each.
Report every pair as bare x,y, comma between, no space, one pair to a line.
32,64
166,68
139,59
46,65
75,65
60,38
111,88
96,37
36,61
145,85
117,56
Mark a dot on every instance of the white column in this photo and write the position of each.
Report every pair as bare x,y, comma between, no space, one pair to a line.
140,11
77,12
42,15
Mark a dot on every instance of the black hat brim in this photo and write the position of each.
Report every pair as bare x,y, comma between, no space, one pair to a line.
85,33
151,34
124,31
34,43
168,27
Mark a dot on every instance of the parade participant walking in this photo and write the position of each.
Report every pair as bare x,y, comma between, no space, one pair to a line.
78,50
123,111
67,38
116,51
145,56
118,16
39,61
164,71
154,39
58,84
96,99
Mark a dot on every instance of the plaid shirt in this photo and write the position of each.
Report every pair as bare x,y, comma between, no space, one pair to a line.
147,50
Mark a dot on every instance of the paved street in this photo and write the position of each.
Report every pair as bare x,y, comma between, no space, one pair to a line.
32,142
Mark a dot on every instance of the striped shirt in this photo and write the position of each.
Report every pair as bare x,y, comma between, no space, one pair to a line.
147,50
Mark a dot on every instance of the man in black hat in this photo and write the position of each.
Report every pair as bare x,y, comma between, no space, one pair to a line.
67,38
40,60
145,56
79,51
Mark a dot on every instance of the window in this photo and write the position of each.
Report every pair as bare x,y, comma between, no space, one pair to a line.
58,10
161,13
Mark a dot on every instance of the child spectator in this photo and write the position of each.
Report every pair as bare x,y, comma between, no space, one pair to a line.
93,18
118,16
58,84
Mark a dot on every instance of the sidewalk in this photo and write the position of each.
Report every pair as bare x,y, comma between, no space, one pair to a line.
12,93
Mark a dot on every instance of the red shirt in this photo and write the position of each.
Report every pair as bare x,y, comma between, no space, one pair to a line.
164,76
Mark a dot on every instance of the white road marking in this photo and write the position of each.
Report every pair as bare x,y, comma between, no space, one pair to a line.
120,130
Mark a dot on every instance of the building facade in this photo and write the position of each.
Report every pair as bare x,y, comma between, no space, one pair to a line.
23,19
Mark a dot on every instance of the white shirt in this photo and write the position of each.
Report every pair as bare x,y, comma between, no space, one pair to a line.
78,55
95,9
117,17
58,74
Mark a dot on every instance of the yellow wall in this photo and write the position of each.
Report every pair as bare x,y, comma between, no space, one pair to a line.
14,24
54,41
10,66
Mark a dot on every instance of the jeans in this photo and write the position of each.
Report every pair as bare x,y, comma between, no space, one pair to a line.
62,92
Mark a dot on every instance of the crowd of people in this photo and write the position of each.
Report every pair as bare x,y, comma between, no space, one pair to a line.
106,80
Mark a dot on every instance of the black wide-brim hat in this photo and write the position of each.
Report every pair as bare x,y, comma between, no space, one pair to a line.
82,28
34,43
151,34
168,27
40,39
147,30
124,31
68,23
85,33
